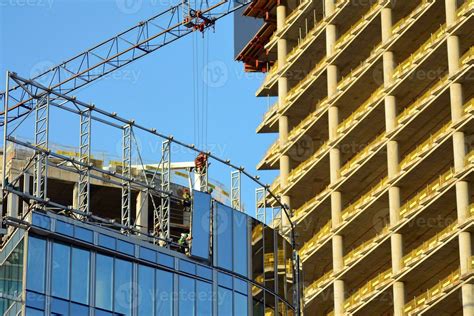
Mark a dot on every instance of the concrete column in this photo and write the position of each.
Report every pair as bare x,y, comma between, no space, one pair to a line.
459,150
283,125
334,164
393,161
142,212
75,196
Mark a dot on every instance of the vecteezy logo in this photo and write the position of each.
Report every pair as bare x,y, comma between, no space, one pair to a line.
381,220
215,74
40,68
129,6
302,149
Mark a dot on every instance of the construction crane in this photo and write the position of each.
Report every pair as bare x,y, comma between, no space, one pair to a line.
120,50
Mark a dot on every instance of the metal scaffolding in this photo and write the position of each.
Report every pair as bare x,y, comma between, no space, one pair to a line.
235,192
40,175
127,173
260,204
84,158
164,217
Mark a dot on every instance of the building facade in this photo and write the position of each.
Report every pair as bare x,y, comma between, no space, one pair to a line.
55,265
374,115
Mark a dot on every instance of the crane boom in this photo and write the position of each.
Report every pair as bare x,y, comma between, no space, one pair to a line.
120,50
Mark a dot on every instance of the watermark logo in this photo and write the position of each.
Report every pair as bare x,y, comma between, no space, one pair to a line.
40,68
27,3
302,149
129,6
381,220
215,74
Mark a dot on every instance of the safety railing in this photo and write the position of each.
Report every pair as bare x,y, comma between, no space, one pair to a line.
316,240
466,8
400,24
319,284
363,154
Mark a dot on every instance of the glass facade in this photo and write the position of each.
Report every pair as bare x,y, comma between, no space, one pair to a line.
81,269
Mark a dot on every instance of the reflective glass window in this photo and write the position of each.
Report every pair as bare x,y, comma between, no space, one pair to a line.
289,273
106,241
123,287
204,272
240,305
258,300
99,312
269,304
203,299
60,270
257,251
147,254
224,279
79,310
269,257
64,228
41,221
281,265
80,275
186,296
240,250
35,300
223,227
11,273
165,260
83,234
146,291
187,266
240,286
34,312
164,292
201,225
59,307
104,281
224,302
36,264
125,247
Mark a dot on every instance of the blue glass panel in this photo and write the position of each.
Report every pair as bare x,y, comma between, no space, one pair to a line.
83,234
240,286
240,250
165,260
204,272
60,270
201,225
125,247
104,280
59,307
123,287
99,312
240,304
186,296
34,312
35,300
147,254
79,310
36,264
223,233
224,279
164,293
80,275
187,267
224,302
203,299
106,241
146,291
64,228
41,221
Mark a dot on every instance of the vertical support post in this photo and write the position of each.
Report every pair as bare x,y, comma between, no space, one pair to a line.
40,176
162,222
459,153
84,157
283,121
26,189
5,149
235,192
204,178
142,211
127,174
260,195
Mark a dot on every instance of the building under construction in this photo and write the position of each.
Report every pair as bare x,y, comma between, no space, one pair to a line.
374,116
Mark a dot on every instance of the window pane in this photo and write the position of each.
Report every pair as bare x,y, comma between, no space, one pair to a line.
186,296
60,270
240,243
36,264
223,229
164,293
123,287
240,305
34,312
146,291
224,302
257,251
269,257
203,299
80,276
201,225
104,275
59,307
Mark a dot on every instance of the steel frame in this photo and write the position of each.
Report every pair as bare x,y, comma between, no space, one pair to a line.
163,222
260,204
40,174
84,158
235,190
127,173
122,49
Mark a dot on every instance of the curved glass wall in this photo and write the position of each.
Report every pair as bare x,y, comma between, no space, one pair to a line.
240,267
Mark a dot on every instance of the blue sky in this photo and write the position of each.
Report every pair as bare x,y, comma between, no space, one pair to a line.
158,90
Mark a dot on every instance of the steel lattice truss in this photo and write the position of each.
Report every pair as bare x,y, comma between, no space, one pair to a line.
122,49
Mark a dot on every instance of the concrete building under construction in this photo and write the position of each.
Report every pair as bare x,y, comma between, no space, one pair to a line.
374,116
